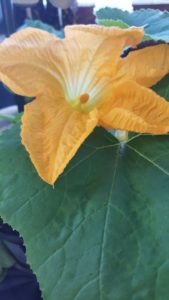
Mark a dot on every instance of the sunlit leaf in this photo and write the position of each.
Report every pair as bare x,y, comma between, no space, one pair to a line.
110,22
155,22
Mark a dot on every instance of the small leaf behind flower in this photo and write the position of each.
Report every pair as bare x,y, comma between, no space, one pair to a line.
110,22
155,22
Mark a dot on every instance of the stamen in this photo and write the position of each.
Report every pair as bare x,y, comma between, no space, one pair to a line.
84,98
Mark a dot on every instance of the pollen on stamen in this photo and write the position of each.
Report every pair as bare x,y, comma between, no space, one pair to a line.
84,98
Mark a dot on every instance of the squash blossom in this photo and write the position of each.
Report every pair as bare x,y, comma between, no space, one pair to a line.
81,82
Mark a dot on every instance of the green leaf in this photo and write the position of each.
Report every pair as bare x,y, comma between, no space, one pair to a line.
18,117
162,87
155,22
110,22
13,119
7,118
103,231
43,26
6,260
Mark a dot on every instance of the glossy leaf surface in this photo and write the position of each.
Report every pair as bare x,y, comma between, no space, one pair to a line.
102,232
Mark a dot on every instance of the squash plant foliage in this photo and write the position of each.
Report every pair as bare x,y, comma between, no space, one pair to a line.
102,231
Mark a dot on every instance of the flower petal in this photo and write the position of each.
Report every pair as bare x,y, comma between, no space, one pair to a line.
27,63
53,135
97,54
135,108
33,62
146,66
132,36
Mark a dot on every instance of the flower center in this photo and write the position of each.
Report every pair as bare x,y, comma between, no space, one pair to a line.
84,98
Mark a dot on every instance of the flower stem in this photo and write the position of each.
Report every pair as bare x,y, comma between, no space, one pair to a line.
122,136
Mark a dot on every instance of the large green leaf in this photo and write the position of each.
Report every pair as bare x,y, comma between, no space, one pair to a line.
103,231
162,87
155,22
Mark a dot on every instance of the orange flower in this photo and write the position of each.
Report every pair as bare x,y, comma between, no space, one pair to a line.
81,82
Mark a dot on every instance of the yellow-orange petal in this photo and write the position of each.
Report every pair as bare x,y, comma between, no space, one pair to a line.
132,107
96,54
132,35
146,66
52,136
26,62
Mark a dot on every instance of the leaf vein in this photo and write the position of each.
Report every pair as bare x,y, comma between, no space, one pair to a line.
106,224
149,160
